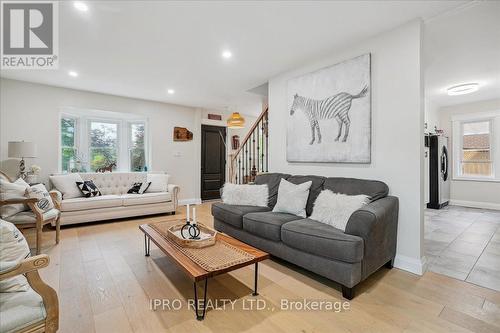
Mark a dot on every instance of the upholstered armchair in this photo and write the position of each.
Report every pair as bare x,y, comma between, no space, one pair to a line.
33,218
34,310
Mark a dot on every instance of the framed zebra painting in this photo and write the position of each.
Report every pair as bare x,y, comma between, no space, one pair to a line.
329,114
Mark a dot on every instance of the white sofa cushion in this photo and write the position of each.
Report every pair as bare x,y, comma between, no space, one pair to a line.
103,201
292,198
145,198
335,209
245,194
159,182
66,184
29,216
13,249
13,190
20,310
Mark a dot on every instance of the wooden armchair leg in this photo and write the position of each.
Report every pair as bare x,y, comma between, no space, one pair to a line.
38,237
58,228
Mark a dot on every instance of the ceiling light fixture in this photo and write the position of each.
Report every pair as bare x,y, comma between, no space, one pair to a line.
463,89
73,73
226,54
236,121
171,91
81,6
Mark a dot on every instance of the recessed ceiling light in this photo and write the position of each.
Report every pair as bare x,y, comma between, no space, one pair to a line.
171,91
82,6
463,89
73,73
226,54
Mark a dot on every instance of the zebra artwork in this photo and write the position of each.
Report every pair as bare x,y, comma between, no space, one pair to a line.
329,113
334,107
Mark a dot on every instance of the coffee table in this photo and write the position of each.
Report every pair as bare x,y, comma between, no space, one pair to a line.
192,269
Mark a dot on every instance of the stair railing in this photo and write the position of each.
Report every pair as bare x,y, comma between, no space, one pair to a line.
252,157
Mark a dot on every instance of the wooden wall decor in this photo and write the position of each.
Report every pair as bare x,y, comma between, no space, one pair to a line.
182,134
214,116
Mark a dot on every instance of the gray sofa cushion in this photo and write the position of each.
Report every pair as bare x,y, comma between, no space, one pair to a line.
233,214
267,224
352,186
273,182
322,240
316,188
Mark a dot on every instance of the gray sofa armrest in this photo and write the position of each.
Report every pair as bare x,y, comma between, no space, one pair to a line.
377,224
174,191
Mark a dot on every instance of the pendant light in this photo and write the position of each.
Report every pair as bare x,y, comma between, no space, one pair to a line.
236,121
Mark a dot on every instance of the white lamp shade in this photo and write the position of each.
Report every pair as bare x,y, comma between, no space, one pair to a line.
22,149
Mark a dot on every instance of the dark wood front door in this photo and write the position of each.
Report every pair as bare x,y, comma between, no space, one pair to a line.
213,161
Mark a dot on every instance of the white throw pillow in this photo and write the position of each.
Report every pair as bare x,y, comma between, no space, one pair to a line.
247,195
292,199
13,190
66,184
335,209
13,249
159,182
39,192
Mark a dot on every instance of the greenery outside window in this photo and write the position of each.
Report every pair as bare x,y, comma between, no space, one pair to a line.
137,147
68,143
103,144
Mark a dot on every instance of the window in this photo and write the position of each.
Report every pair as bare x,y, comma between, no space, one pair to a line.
92,139
476,149
68,143
476,146
103,145
137,147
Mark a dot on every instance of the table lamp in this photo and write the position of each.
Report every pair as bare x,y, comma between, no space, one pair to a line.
22,150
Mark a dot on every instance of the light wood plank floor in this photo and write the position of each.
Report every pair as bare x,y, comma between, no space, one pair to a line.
105,284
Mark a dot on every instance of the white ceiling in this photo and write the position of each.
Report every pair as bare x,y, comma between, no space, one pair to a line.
463,46
141,48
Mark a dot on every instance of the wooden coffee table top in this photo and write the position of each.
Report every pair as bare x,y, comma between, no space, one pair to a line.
193,270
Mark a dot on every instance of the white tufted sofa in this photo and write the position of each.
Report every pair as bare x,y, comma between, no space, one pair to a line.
115,202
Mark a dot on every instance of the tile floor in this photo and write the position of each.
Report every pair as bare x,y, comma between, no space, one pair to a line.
464,243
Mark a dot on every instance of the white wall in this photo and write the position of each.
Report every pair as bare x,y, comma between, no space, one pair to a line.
397,130
30,112
466,192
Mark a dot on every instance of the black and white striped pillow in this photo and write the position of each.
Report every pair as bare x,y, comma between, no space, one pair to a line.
139,188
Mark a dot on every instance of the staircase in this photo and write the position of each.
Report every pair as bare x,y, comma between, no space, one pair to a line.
252,157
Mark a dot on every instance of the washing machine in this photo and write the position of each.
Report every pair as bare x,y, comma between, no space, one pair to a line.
439,172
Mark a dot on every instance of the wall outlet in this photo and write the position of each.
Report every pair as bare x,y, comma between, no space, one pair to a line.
177,154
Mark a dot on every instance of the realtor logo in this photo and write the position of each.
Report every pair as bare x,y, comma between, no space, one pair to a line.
29,35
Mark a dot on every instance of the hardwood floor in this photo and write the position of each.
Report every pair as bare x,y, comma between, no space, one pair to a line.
106,284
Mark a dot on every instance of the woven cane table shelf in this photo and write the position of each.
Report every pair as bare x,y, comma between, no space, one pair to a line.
227,254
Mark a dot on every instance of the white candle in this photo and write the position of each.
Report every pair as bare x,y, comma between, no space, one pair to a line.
194,215
187,209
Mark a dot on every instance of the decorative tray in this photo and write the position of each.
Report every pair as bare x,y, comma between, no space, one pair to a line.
206,237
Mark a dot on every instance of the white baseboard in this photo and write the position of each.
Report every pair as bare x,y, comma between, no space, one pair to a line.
411,265
191,201
475,204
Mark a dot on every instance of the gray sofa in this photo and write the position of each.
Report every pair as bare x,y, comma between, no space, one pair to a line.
368,243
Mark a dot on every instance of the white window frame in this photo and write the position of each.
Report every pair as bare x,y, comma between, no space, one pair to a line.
493,117
84,117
